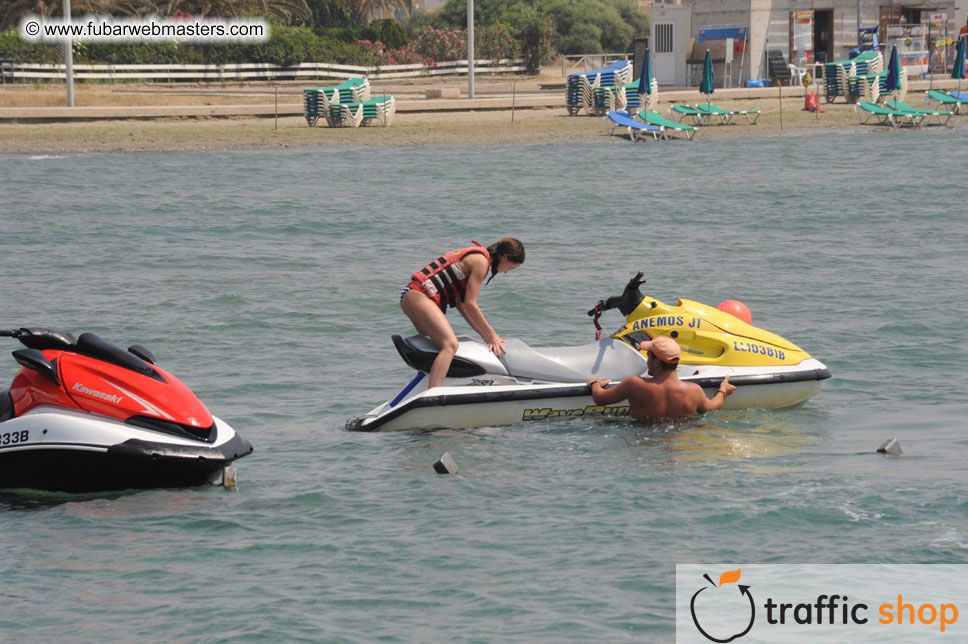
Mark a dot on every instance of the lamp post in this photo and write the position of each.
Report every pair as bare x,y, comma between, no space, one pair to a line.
470,48
69,56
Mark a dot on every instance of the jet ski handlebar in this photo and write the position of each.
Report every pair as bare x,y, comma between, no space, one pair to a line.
41,338
626,302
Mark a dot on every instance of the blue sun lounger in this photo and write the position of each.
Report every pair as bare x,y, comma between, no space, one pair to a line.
636,129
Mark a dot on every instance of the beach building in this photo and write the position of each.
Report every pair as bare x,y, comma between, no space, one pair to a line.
759,39
403,9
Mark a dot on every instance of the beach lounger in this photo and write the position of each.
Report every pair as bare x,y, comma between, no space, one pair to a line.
701,114
946,100
885,116
636,129
942,115
654,118
725,117
682,111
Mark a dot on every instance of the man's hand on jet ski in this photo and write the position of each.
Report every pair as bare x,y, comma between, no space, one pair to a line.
598,381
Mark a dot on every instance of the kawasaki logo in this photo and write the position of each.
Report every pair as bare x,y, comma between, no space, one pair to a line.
94,393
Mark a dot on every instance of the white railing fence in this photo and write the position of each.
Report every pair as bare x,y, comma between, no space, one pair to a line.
26,72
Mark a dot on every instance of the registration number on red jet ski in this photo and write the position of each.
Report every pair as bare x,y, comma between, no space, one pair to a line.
12,438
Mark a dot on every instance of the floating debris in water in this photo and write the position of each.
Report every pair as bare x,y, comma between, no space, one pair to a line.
890,446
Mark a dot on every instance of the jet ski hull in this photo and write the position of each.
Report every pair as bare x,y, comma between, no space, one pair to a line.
73,451
475,405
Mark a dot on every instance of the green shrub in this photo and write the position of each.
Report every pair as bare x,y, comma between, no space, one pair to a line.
15,49
419,21
580,26
496,42
533,31
392,34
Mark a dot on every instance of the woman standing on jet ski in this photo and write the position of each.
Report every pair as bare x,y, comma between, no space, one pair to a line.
454,280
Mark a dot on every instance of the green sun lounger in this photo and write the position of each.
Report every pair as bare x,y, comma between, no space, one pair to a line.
885,116
946,100
701,113
725,117
942,115
654,118
682,111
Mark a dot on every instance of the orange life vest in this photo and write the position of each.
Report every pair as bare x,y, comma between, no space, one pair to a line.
443,280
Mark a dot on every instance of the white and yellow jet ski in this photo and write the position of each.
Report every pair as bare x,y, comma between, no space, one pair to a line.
530,384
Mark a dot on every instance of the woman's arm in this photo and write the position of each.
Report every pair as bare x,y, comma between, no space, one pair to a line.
476,267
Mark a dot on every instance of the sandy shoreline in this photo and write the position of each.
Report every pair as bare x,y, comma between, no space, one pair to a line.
427,128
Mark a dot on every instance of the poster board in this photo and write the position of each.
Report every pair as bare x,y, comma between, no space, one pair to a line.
801,34
731,36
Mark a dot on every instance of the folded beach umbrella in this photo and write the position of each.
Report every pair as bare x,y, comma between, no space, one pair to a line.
646,80
958,69
708,80
892,82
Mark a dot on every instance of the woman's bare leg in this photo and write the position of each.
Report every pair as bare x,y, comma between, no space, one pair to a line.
430,321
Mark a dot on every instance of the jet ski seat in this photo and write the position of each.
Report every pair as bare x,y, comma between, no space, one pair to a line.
608,358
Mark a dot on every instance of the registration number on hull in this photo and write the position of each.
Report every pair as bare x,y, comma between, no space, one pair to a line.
13,438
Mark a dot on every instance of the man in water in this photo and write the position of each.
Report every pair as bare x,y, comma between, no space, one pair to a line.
662,395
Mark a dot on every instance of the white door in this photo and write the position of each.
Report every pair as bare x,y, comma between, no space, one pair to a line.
664,55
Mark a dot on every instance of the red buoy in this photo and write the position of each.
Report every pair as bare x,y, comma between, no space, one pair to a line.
736,309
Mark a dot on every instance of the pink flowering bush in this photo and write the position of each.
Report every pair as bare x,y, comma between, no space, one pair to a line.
440,45
403,56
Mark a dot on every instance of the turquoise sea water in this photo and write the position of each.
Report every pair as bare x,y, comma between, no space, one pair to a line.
268,282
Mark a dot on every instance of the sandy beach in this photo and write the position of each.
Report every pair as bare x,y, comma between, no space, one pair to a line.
433,123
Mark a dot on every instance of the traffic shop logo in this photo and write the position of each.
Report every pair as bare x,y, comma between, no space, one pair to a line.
712,601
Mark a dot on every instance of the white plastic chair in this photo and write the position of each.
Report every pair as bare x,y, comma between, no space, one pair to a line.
796,74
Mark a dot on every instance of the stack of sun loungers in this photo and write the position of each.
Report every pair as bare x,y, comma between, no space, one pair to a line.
379,108
870,87
840,77
610,98
580,93
348,103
